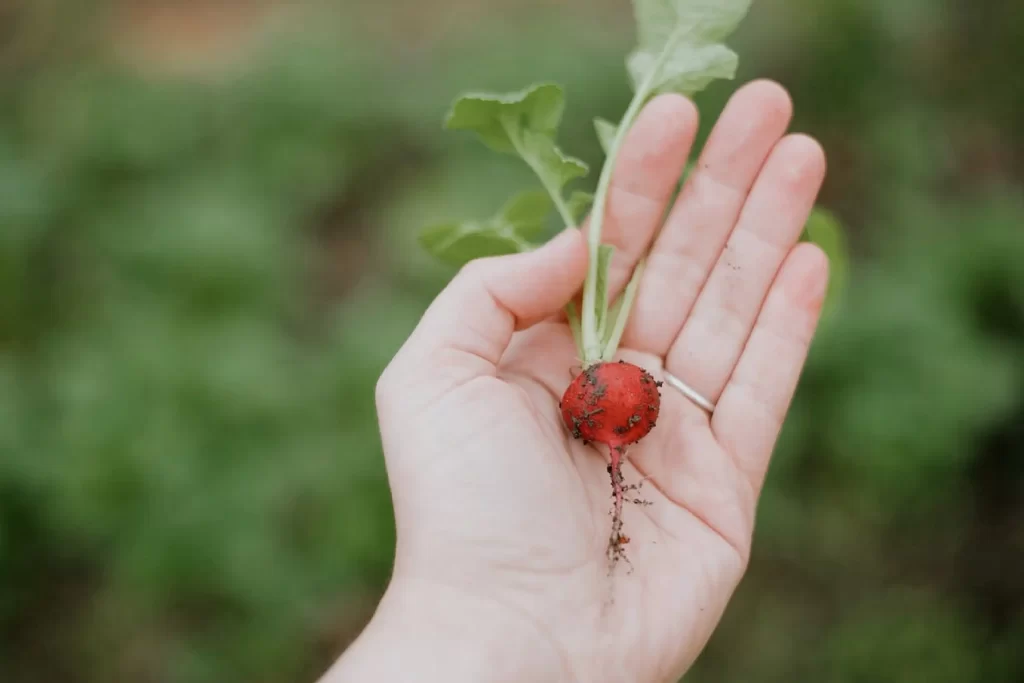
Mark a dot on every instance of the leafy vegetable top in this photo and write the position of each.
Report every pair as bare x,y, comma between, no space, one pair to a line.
691,32
679,49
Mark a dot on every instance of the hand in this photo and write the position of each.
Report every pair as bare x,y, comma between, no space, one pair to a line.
501,571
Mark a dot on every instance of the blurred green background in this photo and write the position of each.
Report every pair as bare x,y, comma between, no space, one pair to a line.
207,254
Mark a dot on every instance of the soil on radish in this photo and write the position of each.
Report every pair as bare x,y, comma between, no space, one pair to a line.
614,404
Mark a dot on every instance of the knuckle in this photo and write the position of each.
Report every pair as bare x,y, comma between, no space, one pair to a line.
772,95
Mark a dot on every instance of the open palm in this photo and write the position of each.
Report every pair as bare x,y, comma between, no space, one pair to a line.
499,508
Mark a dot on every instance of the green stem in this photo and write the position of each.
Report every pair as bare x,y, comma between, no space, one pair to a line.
574,325
592,346
628,296
563,210
522,244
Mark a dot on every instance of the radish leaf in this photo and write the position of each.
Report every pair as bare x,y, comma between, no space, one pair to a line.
824,229
690,32
605,133
513,229
537,108
527,213
579,203
523,123
552,166
459,243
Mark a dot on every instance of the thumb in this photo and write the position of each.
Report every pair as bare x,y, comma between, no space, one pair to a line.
471,322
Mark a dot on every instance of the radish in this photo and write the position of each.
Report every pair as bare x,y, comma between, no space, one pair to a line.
680,50
614,404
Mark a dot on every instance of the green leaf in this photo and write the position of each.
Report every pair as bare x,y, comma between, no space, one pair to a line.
619,314
709,20
824,229
459,243
604,261
526,214
679,43
574,325
552,166
537,108
579,204
606,131
523,123
614,311
517,226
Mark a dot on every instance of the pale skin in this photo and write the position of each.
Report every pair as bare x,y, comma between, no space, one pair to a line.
501,572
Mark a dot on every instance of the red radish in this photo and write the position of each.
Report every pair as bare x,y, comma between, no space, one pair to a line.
615,404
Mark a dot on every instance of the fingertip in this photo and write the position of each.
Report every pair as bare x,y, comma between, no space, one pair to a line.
570,242
575,250
556,277
768,97
803,158
534,284
805,276
566,251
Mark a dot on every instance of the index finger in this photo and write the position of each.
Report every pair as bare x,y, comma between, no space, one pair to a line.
644,179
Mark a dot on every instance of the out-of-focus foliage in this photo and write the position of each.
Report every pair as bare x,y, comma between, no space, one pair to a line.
200,279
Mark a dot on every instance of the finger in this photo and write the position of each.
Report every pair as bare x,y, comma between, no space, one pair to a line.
705,213
706,350
749,416
644,179
467,328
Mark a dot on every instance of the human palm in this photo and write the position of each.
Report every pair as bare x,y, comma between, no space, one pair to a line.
541,503
500,511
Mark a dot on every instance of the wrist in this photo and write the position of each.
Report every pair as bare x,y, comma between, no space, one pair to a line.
430,632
